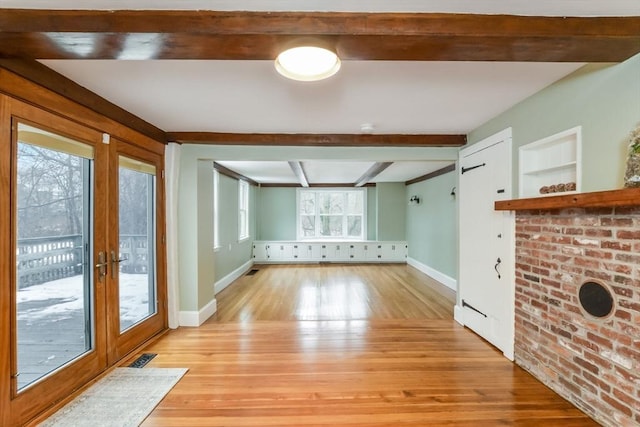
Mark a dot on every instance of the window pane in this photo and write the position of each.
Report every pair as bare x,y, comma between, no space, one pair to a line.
354,224
331,203
136,277
354,202
308,203
331,226
308,225
243,210
53,289
243,224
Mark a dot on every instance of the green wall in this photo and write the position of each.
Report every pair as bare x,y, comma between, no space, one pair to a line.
195,234
276,213
232,254
372,213
432,225
603,99
198,264
392,207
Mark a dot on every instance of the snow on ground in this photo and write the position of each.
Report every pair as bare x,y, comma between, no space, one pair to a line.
64,298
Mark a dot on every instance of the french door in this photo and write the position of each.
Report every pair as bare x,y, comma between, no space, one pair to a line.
82,243
137,305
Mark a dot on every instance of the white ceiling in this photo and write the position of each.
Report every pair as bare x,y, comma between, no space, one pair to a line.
330,172
250,96
395,96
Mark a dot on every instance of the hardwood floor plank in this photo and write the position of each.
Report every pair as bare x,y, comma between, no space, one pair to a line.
381,349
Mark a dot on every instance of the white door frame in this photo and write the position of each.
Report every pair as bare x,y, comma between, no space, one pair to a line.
509,264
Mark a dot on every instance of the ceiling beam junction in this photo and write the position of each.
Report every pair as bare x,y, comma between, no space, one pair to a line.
298,170
372,172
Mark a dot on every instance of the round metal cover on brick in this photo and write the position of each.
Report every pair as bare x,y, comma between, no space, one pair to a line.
596,299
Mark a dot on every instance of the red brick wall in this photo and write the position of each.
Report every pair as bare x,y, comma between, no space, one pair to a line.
593,363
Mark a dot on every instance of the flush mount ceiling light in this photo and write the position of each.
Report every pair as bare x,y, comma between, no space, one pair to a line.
307,63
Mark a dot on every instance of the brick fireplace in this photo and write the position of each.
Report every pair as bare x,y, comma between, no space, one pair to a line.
591,360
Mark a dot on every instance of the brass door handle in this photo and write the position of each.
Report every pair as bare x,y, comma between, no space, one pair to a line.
114,263
101,266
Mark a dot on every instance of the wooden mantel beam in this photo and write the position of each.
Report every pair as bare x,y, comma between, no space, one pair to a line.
161,34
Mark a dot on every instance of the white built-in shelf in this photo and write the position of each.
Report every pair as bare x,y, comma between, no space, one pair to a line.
551,161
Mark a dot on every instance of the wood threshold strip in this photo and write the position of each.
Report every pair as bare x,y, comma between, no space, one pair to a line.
599,199
433,174
233,174
320,140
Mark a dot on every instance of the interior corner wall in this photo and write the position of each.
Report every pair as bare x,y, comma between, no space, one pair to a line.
372,213
188,231
276,219
392,206
195,231
232,253
603,99
432,225
206,268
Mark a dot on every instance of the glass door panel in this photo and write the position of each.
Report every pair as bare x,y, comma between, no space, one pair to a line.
54,293
135,263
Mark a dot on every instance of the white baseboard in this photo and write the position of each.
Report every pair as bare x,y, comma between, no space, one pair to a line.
197,318
229,278
457,314
448,281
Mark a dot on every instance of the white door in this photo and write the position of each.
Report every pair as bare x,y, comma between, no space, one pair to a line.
486,288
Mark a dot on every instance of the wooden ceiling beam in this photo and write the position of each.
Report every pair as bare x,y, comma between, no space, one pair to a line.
371,173
319,140
233,174
308,23
157,34
434,174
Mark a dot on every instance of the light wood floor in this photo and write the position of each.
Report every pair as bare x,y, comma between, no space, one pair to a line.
345,346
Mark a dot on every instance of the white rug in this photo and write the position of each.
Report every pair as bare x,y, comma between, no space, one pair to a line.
123,398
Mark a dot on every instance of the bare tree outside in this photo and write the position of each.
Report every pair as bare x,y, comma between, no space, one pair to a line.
49,192
52,297
331,213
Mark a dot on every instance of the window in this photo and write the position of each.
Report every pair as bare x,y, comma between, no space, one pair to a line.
243,210
216,214
331,214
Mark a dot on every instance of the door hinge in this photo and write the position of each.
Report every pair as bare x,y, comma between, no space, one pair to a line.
466,304
464,170
162,173
164,239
